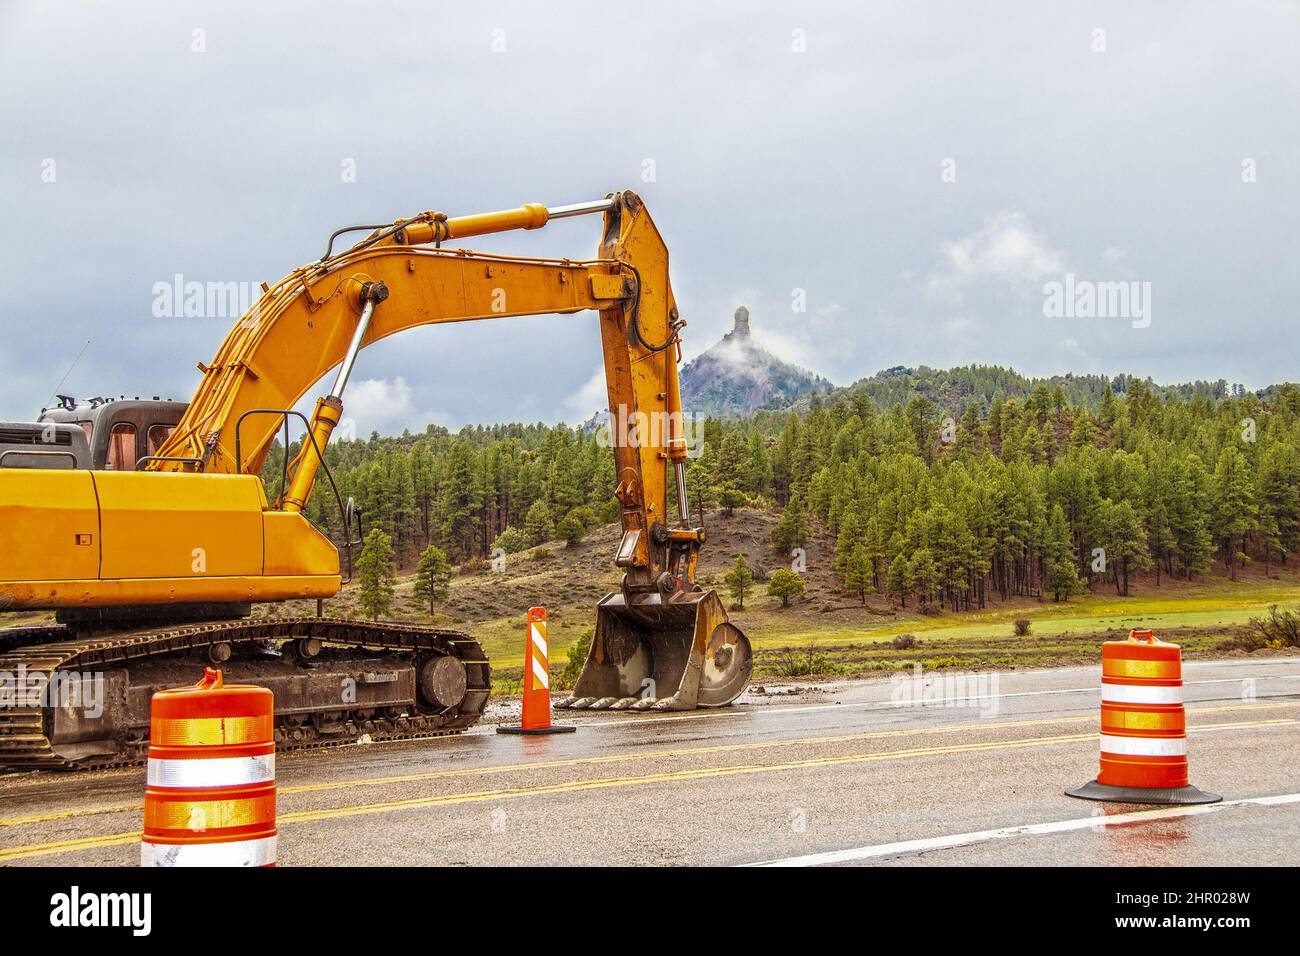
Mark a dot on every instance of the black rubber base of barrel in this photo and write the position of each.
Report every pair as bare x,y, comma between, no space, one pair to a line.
530,731
1178,796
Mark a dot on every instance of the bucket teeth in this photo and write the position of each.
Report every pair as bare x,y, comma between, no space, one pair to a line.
671,703
604,703
582,703
566,703
623,703
644,703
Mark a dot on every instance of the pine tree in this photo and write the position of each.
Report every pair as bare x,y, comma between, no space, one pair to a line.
1279,496
859,573
791,530
538,526
460,503
848,540
1235,512
921,575
732,456
1125,542
702,481
730,497
432,576
739,580
758,470
1189,519
378,580
1109,413
1084,432
1062,565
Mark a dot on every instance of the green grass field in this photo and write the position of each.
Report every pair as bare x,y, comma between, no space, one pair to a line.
1199,616
1222,606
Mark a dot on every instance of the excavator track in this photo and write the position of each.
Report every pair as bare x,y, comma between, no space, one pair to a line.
24,730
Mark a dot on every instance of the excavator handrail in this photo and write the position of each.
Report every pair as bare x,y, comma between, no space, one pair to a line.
196,462
284,481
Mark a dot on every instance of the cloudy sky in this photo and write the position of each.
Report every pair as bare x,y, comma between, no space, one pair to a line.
881,183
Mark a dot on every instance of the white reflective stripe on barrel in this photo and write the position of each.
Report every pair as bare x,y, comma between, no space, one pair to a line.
1144,746
241,853
1139,694
211,771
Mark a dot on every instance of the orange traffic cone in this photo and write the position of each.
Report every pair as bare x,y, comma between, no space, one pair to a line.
537,682
1143,726
210,793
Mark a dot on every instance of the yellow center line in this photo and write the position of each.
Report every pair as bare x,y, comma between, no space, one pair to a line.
350,783
675,776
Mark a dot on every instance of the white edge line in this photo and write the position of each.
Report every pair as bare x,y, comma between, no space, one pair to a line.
632,720
1034,829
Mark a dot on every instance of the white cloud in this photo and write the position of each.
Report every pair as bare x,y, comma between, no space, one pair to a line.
593,397
1006,251
384,406
1071,348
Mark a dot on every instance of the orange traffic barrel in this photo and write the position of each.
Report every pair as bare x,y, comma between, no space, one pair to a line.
209,798
537,681
1143,726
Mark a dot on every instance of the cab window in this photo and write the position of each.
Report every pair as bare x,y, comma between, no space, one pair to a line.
121,448
157,436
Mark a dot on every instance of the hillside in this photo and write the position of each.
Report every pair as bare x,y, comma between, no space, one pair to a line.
953,389
735,376
827,633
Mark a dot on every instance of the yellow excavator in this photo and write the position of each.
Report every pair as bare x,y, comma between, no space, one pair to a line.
155,563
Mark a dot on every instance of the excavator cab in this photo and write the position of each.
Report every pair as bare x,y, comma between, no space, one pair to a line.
656,653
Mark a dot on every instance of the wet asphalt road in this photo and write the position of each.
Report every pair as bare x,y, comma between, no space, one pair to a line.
842,770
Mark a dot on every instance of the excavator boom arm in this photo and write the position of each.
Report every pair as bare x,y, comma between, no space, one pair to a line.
312,321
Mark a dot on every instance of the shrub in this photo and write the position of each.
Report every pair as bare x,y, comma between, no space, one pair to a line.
903,642
571,529
1022,627
792,663
1280,629
935,663
511,541
577,657
785,584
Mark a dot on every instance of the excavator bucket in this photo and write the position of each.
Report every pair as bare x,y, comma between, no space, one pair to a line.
656,653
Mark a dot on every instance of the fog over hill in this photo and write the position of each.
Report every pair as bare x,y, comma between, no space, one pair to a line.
737,375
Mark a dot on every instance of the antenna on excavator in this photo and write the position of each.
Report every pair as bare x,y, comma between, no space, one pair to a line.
70,368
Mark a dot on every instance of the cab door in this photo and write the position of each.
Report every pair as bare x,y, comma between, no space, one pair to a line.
49,525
